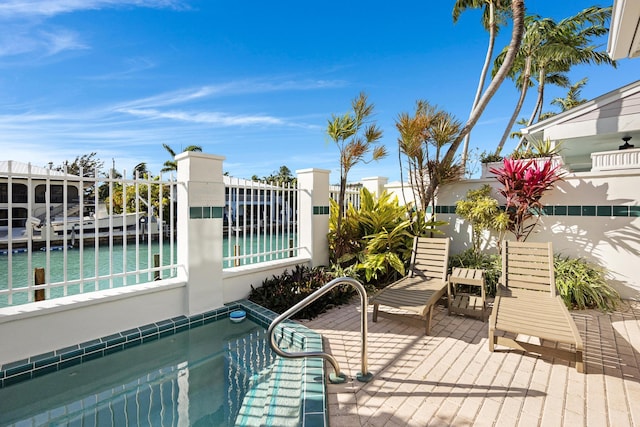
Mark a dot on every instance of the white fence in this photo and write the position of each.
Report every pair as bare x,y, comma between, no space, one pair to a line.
260,222
76,230
351,195
63,234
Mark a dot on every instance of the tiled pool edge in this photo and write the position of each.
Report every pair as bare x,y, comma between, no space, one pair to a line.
314,405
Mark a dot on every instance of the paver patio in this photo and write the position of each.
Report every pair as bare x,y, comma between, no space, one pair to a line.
451,379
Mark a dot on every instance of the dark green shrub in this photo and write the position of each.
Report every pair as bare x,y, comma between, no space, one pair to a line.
491,265
582,285
282,292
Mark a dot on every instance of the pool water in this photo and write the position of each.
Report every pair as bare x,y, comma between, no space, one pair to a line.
199,377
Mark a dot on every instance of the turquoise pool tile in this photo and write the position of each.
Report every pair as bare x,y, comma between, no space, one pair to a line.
93,347
574,210
45,370
547,210
588,211
314,420
18,369
17,363
315,387
70,362
149,329
114,349
71,354
621,211
604,211
313,402
92,356
150,338
133,343
167,333
46,361
41,356
131,334
15,379
634,211
216,212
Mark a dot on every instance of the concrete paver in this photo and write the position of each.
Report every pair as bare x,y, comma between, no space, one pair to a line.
451,378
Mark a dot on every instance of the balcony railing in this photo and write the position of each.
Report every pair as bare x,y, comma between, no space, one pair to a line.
615,160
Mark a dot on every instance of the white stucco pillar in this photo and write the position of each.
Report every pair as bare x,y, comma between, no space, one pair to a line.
375,184
314,214
200,211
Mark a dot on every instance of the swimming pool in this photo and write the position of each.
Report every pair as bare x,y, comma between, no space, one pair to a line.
215,374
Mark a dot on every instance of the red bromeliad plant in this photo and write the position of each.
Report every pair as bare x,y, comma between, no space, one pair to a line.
523,184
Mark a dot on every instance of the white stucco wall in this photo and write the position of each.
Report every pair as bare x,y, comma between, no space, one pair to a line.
613,242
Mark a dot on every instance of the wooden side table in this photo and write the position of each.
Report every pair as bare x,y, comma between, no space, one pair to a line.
465,302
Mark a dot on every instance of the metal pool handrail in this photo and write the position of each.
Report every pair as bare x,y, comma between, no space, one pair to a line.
337,377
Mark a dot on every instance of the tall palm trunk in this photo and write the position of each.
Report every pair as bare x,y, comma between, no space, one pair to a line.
483,76
517,7
526,78
537,109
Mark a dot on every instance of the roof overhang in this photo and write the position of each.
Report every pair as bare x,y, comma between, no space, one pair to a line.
624,31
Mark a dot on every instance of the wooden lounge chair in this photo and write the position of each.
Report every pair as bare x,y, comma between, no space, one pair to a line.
425,283
526,303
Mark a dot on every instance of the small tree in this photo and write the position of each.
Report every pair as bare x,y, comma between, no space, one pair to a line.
483,213
523,184
355,137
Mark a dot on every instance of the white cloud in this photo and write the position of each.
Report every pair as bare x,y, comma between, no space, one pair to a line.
47,8
45,43
212,118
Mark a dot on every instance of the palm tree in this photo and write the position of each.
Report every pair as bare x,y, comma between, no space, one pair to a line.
550,49
140,170
172,165
355,137
573,98
517,14
493,16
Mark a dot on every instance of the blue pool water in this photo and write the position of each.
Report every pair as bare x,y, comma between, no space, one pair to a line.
206,376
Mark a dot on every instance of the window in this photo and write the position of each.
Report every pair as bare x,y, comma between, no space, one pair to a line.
19,193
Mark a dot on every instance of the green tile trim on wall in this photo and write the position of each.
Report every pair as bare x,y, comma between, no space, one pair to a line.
570,210
205,212
321,210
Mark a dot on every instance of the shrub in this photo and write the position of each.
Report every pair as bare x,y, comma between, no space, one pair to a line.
582,285
489,263
523,184
282,292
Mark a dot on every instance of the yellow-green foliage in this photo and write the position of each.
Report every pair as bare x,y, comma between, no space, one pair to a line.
483,213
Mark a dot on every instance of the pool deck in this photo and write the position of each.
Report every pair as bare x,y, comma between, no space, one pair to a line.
451,379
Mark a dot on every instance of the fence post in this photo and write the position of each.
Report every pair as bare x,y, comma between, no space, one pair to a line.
201,201
375,184
39,279
314,214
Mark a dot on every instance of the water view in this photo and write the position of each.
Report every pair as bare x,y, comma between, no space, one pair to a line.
113,263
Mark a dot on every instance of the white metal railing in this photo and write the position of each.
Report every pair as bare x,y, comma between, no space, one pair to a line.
64,234
351,195
260,222
616,160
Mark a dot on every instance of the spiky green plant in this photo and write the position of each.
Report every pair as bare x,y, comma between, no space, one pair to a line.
583,285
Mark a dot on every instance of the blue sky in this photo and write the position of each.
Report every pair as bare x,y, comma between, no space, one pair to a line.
253,81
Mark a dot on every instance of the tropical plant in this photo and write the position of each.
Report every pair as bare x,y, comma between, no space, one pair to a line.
356,137
536,149
573,98
583,285
282,292
493,15
423,139
377,238
548,51
490,157
483,213
523,184
517,14
171,165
